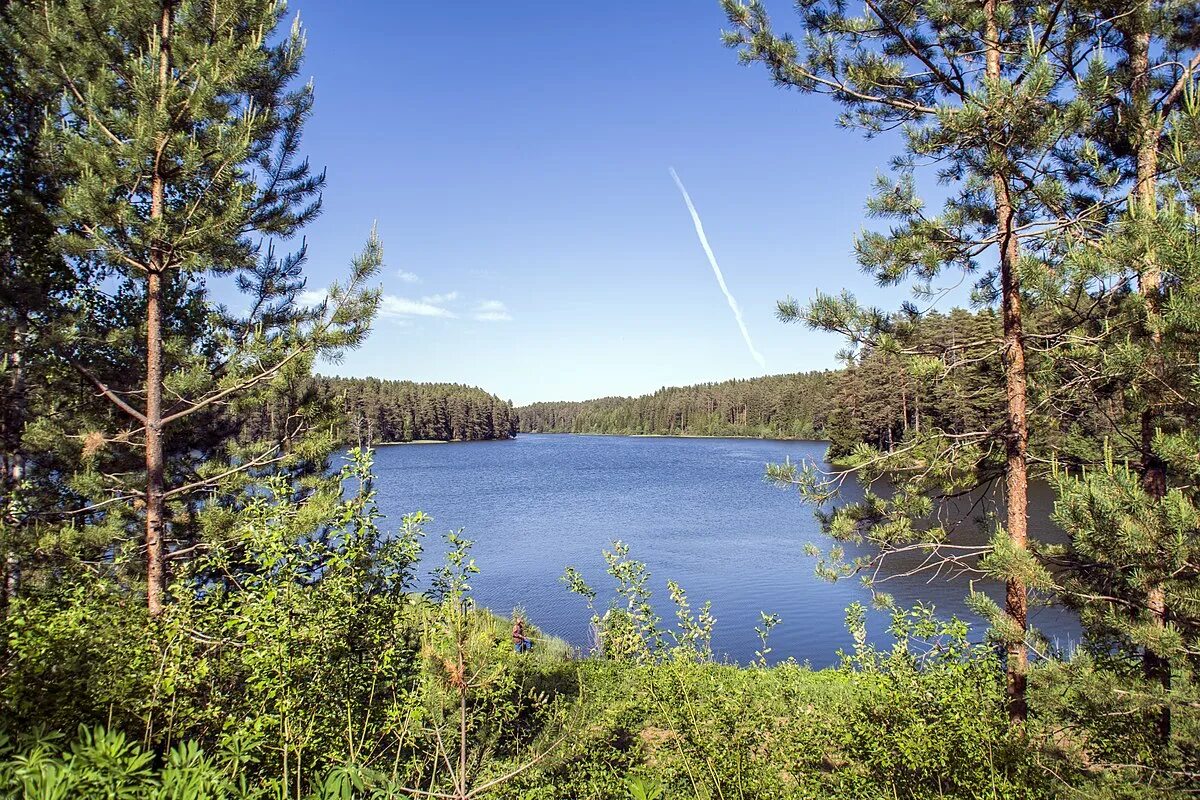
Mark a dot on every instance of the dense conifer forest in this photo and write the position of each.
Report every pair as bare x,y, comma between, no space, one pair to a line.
368,411
379,411
777,406
935,373
201,598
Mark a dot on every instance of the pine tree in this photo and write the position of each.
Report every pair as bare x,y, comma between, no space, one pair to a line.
1146,117
179,134
1132,516
1122,281
989,99
35,281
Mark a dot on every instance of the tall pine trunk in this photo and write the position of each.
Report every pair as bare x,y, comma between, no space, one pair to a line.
1154,478
1017,434
156,577
13,455
155,523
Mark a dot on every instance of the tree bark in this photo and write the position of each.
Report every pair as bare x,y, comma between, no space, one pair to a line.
14,412
155,512
13,456
1017,433
156,577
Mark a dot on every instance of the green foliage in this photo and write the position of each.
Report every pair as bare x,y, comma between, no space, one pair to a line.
924,719
1125,542
298,597
769,621
147,148
175,132
773,406
483,711
630,629
379,412
107,765
930,713
311,670
641,789
298,642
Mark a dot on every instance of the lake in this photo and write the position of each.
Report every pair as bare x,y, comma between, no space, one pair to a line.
697,511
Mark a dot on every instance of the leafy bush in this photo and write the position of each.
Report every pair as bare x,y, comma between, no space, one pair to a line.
297,630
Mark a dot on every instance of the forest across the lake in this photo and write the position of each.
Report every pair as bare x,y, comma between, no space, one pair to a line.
775,406
203,597
370,411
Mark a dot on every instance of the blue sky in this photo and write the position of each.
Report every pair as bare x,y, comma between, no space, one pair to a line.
515,157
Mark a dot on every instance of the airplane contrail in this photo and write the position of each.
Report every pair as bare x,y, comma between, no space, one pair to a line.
712,259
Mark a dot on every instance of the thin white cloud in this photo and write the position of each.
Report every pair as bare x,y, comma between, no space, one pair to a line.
404,311
712,260
312,297
492,311
407,277
393,307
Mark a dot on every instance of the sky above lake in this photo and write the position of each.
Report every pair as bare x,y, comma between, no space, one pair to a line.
516,156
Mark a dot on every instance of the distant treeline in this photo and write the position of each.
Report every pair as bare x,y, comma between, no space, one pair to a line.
781,406
370,411
374,411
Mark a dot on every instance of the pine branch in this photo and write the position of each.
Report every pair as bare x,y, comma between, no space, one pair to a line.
111,395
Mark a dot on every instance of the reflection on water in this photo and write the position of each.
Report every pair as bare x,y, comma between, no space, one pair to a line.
695,510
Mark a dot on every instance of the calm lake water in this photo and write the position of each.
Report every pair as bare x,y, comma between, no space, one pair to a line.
695,510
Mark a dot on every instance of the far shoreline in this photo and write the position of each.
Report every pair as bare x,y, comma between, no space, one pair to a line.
677,436
443,441
615,435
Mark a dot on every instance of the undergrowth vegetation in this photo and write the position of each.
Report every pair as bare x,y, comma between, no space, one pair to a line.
303,661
